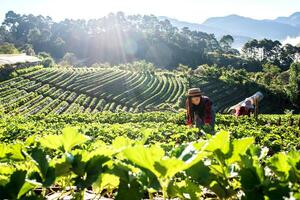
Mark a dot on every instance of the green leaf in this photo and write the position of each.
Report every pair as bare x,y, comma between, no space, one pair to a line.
46,172
240,147
121,143
27,186
12,188
88,171
219,141
15,152
145,157
71,137
41,161
3,151
106,181
132,190
184,190
152,159
279,163
52,141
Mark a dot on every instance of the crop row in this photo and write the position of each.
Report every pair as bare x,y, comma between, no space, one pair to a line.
90,90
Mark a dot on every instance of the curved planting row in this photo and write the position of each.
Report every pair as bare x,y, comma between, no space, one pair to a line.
90,90
222,94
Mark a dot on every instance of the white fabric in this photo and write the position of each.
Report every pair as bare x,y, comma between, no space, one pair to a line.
11,59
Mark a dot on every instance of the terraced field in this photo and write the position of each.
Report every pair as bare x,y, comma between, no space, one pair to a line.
89,90
222,94
39,90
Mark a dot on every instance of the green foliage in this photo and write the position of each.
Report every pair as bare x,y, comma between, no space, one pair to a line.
218,167
66,141
140,38
47,60
270,68
7,48
294,84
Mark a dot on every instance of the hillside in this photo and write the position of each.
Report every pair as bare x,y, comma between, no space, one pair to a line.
38,90
90,90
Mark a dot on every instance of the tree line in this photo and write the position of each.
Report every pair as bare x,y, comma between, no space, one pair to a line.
115,38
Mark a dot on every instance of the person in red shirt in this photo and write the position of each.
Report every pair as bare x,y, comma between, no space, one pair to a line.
199,109
245,109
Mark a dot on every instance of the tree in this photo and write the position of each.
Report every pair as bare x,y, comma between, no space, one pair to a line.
8,48
28,50
115,38
47,60
294,84
226,41
270,68
69,59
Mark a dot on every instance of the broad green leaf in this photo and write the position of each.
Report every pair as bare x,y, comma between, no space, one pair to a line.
15,152
88,171
169,167
40,160
71,137
153,159
121,142
145,157
240,147
106,181
130,190
62,167
3,151
219,141
6,169
13,187
279,163
27,186
184,190
52,141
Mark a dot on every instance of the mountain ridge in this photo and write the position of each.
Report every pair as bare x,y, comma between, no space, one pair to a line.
244,28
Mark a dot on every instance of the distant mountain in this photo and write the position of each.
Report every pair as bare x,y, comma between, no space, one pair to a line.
258,29
244,29
293,20
218,32
192,26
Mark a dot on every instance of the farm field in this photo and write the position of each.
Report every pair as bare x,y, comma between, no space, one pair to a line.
38,90
148,155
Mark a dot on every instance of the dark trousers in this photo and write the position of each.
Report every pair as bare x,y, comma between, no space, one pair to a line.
200,123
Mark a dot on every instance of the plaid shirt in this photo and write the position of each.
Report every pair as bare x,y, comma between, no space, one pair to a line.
203,110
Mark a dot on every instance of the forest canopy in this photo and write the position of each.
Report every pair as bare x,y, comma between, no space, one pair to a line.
115,39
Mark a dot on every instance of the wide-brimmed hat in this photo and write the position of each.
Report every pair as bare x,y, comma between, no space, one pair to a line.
193,92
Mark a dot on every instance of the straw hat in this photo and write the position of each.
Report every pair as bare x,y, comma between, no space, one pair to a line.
193,92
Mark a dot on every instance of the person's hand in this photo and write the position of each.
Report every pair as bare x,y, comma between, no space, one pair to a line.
189,125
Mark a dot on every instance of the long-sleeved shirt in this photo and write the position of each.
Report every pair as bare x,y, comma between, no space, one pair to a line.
203,111
242,110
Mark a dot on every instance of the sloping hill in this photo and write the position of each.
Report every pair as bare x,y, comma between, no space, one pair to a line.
39,90
90,90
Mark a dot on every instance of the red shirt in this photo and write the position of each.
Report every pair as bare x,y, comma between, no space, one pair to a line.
242,110
203,110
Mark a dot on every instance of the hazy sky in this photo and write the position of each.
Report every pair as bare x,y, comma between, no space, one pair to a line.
188,10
